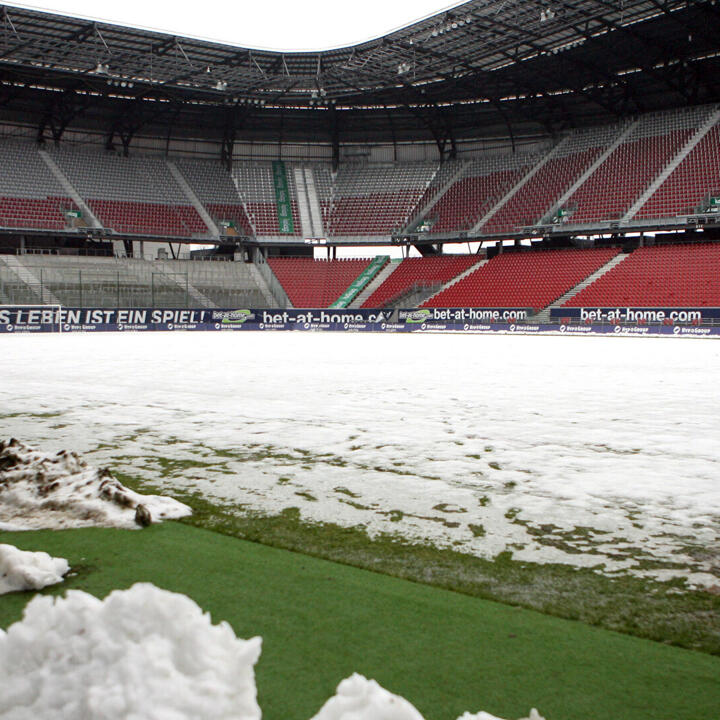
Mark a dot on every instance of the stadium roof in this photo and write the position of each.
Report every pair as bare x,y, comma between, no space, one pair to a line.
484,68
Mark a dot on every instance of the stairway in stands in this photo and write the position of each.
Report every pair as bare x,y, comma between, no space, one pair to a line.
374,284
33,283
544,315
459,278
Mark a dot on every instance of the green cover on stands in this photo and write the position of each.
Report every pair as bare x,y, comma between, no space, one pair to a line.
361,281
282,198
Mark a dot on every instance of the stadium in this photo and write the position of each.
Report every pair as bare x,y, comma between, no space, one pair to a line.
451,421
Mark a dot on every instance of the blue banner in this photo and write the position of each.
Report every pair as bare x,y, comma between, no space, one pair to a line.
28,319
636,314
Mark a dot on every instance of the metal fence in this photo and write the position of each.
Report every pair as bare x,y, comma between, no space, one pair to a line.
120,287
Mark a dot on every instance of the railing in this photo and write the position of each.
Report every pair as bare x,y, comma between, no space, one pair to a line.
113,288
414,289
72,252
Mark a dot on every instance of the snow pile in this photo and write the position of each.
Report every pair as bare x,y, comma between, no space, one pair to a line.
62,490
358,698
23,570
140,653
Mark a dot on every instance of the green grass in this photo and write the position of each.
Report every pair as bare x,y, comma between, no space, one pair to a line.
444,651
666,612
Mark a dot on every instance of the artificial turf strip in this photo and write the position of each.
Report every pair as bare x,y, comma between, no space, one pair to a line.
444,651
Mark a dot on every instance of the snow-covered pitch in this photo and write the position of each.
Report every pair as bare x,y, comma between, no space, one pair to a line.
598,452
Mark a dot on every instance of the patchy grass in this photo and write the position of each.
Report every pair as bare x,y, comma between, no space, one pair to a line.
345,491
667,612
320,621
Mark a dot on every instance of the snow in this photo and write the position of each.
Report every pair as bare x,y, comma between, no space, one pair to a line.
594,452
147,653
140,653
38,490
24,570
358,698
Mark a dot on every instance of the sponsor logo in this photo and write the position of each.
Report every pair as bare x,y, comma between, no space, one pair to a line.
691,331
234,317
419,316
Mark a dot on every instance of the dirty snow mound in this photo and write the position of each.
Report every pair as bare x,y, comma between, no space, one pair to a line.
62,490
140,653
23,570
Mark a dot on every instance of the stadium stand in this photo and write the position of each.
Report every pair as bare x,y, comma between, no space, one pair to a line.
215,189
254,181
689,188
313,283
425,272
484,183
661,276
30,196
376,199
611,190
523,280
131,195
439,185
571,158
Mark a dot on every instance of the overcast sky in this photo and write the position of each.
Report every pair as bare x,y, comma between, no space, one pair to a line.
277,25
